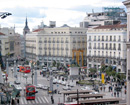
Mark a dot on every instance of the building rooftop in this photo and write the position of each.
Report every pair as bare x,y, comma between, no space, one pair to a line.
2,33
111,26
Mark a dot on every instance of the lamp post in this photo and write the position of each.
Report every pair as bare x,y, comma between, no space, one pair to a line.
4,14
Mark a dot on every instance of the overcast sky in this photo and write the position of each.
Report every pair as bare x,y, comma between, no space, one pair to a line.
69,12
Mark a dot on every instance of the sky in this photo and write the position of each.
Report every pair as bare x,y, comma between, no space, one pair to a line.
70,12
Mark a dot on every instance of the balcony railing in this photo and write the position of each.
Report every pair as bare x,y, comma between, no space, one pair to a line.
62,48
110,48
67,48
114,48
58,41
89,39
49,48
89,47
45,41
119,48
94,47
40,48
53,41
66,41
45,48
40,41
49,41
79,41
74,41
53,48
62,41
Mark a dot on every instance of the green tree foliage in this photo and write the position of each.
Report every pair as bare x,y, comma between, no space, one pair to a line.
58,64
103,67
38,63
93,70
54,63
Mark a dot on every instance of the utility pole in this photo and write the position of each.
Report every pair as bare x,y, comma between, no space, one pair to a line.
7,67
32,65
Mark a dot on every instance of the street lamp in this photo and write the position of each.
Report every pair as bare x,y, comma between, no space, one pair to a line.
4,14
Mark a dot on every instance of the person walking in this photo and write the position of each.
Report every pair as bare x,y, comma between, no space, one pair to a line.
117,93
104,88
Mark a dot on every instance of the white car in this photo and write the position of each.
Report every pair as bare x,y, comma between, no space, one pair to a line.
55,81
17,82
39,86
3,75
93,92
44,69
18,87
63,82
71,84
45,87
66,87
85,88
59,81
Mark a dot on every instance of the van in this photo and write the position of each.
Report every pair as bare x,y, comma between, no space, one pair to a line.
44,69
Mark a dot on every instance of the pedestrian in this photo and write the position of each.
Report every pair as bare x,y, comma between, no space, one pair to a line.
109,88
12,103
101,88
114,93
125,91
117,93
18,101
104,88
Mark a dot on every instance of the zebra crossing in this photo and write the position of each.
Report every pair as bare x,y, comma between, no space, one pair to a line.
38,100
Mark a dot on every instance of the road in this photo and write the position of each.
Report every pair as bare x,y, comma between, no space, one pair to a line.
42,97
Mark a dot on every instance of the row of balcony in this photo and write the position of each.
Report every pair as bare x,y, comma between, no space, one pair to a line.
56,48
103,56
105,40
104,48
74,41
45,41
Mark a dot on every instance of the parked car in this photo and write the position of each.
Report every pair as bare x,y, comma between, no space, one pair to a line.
94,92
55,81
44,69
85,88
66,87
39,86
17,82
63,82
59,81
71,84
45,87
18,87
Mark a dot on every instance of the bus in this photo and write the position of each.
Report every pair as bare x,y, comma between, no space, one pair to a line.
30,91
21,69
27,69
24,69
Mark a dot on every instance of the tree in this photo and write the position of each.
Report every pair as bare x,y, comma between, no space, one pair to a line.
58,65
103,67
38,63
1,62
54,63
93,70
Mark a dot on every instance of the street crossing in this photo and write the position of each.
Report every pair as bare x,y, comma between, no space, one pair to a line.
38,100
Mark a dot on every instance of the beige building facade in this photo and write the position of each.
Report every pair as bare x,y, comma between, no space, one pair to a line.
50,44
107,45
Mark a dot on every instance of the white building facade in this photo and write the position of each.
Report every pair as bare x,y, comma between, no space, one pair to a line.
107,45
49,44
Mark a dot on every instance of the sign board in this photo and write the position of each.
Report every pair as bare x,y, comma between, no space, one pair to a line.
103,78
